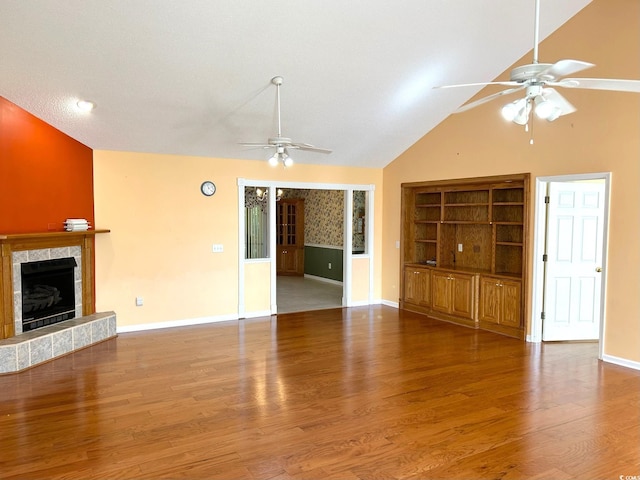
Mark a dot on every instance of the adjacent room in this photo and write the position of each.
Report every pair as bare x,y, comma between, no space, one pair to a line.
285,240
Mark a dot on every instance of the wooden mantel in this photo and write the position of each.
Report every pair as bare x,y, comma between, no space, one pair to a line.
13,242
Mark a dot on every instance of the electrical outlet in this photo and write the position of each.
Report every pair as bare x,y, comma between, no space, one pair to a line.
460,247
139,301
217,248
329,265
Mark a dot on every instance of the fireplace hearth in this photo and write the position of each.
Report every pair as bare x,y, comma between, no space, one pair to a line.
48,292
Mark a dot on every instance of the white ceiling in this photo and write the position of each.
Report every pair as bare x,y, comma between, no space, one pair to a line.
192,77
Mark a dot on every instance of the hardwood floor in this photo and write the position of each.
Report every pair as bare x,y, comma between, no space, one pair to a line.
361,393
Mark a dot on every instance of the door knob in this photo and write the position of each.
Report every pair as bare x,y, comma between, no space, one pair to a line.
598,269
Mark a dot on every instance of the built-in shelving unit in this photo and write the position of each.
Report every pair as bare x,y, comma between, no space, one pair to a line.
470,226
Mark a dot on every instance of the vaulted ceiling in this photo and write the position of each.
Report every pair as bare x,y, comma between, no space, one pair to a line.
193,77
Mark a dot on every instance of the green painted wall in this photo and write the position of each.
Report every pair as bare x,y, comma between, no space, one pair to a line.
317,259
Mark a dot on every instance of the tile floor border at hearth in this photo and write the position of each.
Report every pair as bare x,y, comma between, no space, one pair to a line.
43,344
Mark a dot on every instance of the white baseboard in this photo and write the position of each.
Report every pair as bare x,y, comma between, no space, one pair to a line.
260,313
390,304
322,279
623,362
361,303
175,323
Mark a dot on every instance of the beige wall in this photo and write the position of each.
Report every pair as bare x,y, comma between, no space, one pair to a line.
602,136
360,280
258,297
163,229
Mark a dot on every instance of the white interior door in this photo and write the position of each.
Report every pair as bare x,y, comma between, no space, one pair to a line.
574,262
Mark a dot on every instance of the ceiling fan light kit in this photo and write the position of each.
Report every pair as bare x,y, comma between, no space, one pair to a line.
538,79
546,109
280,143
517,112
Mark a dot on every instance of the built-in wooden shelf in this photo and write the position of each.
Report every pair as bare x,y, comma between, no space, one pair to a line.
20,236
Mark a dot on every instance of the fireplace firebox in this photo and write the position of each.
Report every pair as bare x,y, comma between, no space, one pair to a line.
48,292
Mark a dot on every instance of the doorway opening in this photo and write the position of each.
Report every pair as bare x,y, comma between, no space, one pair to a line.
312,238
309,249
570,254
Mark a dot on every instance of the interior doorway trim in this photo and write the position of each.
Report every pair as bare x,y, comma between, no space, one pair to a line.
539,245
347,239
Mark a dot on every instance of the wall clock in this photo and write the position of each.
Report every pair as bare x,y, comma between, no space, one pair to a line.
208,188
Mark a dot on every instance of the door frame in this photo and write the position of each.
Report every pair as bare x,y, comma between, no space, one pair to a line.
540,218
347,276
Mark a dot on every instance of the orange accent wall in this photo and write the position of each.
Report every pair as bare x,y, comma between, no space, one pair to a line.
45,175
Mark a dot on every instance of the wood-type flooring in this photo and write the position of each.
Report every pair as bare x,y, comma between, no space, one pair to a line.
358,393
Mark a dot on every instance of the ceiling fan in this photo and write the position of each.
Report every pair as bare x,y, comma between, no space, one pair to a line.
282,144
538,79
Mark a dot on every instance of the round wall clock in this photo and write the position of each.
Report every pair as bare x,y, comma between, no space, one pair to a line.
208,188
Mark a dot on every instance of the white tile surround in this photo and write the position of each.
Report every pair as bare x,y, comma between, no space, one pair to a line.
20,257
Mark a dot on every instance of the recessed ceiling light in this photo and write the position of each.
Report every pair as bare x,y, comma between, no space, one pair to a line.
85,105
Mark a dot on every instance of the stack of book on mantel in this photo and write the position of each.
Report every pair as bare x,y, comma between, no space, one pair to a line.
76,225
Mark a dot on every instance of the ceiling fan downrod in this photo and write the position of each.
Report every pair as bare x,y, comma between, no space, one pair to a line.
536,32
277,81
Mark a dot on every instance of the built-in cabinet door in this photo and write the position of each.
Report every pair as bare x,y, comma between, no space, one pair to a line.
462,291
511,303
490,300
441,292
452,293
417,286
501,301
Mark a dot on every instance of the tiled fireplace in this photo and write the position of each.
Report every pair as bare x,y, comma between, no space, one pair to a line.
25,256
20,350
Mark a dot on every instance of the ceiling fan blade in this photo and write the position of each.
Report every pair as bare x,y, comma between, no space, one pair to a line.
311,148
562,68
481,84
615,84
471,105
558,100
256,145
